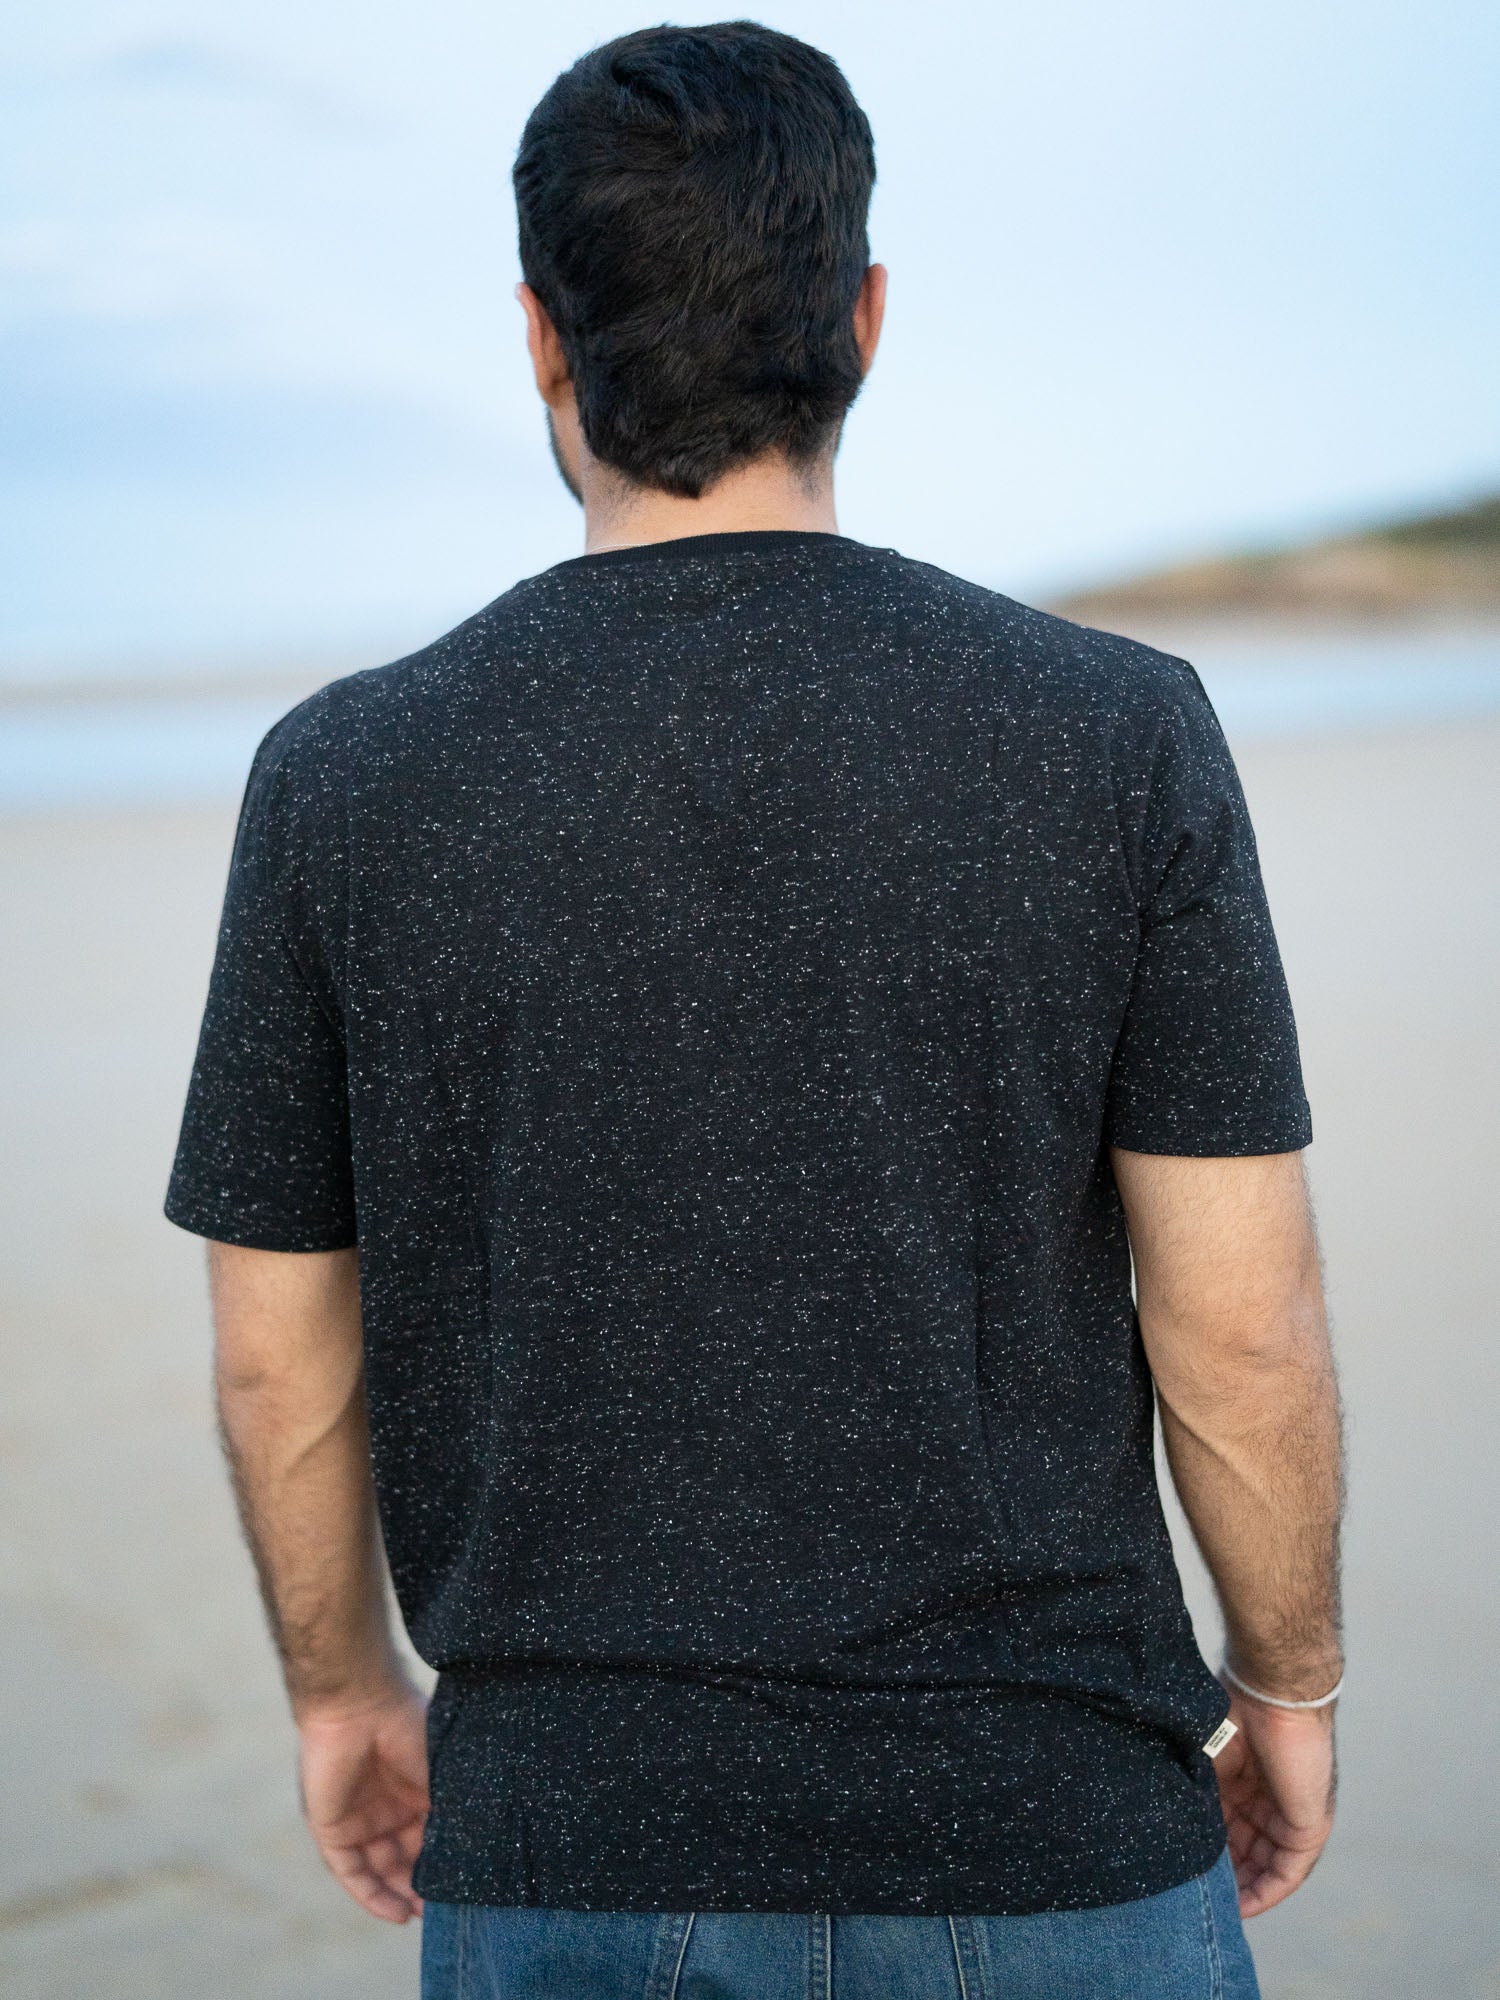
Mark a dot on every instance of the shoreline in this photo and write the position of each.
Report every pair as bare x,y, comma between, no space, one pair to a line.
1209,628
94,746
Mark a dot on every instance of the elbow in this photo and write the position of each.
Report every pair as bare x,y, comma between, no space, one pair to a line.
1294,1343
254,1377
248,1383
1254,1345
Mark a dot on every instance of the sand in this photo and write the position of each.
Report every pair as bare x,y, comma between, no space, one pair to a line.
153,1848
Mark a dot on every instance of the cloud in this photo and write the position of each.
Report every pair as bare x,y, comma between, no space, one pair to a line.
154,263
90,400
199,69
178,65
160,178
188,70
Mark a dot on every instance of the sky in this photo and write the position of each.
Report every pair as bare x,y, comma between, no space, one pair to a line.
1165,279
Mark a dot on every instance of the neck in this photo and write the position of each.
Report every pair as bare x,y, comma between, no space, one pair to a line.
768,493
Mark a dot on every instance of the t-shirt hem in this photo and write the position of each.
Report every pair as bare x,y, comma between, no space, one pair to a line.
846,1886
559,1790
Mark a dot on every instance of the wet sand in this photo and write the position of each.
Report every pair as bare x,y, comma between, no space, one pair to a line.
153,1848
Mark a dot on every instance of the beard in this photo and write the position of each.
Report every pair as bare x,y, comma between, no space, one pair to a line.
557,459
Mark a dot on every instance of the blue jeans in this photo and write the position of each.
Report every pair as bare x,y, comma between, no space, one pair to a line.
1185,1944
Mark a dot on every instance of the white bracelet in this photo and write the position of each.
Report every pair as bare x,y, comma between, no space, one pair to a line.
1275,1700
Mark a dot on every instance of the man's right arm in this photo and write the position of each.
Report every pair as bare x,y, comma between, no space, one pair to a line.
1230,1299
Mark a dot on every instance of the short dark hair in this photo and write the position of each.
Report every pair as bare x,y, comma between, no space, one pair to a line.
693,208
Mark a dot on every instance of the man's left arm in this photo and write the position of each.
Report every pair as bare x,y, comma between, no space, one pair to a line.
289,1382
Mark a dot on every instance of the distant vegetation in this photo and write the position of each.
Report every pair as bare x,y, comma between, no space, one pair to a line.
1433,563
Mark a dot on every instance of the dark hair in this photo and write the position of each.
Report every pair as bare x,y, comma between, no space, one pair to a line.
692,206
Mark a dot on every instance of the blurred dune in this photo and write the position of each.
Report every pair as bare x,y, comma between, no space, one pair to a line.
1443,565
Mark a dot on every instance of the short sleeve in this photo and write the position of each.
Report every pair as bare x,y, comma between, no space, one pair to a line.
1207,1059
263,1154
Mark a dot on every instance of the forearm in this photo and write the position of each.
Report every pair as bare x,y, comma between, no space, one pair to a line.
293,1422
1229,1294
1255,1456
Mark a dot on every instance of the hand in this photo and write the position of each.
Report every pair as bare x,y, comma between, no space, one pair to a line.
363,1777
1277,1780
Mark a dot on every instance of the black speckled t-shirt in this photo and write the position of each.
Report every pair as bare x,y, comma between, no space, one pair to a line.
706,985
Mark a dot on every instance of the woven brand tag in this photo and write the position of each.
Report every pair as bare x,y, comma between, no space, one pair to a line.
1220,1737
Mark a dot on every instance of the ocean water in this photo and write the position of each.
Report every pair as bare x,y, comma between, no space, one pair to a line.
185,748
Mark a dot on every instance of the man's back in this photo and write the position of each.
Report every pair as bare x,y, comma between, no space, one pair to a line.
707,984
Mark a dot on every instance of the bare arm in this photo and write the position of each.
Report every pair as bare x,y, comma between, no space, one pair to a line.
1231,1308
289,1377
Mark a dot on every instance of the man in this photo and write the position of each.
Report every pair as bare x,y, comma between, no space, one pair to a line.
692,1058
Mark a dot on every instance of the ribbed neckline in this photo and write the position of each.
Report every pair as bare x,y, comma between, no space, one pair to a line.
733,541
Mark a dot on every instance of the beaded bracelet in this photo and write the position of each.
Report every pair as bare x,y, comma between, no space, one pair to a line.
1276,1701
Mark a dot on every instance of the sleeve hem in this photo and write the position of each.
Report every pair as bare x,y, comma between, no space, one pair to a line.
1221,1145
247,1234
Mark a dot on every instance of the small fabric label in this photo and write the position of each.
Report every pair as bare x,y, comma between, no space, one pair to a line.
1220,1737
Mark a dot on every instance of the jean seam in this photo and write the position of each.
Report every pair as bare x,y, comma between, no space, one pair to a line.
687,1932
461,1967
820,1958
966,1991
958,1964
1211,1941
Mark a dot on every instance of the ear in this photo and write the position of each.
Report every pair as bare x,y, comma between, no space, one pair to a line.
869,314
553,381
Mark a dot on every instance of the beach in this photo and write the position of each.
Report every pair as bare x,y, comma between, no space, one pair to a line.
154,1849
